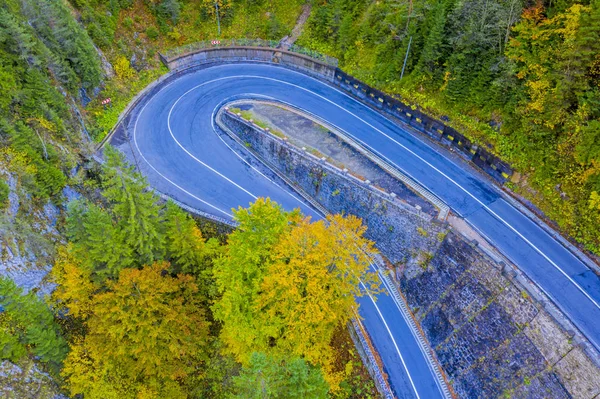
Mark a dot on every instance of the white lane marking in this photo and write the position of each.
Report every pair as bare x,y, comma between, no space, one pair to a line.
393,340
192,155
488,209
163,176
370,297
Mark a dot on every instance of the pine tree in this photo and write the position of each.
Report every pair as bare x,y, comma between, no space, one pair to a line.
31,323
134,207
183,241
98,239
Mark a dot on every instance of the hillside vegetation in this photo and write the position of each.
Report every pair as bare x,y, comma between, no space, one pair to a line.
145,303
522,76
142,303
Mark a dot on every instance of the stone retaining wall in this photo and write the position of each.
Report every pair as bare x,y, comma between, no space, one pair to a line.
288,59
492,337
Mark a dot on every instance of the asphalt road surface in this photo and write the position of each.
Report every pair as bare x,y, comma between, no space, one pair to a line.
176,147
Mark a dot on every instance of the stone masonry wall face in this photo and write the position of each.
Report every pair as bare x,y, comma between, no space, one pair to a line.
491,338
392,226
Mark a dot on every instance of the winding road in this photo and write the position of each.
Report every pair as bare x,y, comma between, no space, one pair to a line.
173,140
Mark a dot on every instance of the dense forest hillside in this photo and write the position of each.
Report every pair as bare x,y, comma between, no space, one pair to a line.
119,256
522,76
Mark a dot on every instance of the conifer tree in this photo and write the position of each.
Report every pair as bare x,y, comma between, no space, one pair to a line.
97,239
135,209
183,240
30,324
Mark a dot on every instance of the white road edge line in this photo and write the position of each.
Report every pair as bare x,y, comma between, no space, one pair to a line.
163,176
425,162
246,191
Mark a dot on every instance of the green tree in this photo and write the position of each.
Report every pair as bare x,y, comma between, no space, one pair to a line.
267,377
187,250
4,192
27,324
98,239
134,207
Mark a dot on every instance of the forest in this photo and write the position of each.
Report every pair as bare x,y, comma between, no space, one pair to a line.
521,77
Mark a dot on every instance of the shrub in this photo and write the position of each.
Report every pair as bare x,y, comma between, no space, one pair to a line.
128,22
123,68
152,33
4,191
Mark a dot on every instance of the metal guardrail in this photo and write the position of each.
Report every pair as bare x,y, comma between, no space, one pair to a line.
173,53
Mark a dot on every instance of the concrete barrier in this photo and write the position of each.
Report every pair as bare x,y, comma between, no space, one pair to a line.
297,61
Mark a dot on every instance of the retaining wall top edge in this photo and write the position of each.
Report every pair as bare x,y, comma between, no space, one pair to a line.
265,49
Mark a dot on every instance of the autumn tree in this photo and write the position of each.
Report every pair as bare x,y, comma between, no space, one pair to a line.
268,377
146,335
286,284
311,286
74,284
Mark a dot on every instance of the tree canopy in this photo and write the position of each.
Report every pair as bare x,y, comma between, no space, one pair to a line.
286,284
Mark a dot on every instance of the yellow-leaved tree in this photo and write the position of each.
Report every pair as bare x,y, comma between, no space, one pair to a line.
287,283
146,335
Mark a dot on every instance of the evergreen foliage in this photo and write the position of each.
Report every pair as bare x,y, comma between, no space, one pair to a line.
530,70
135,208
27,325
4,192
